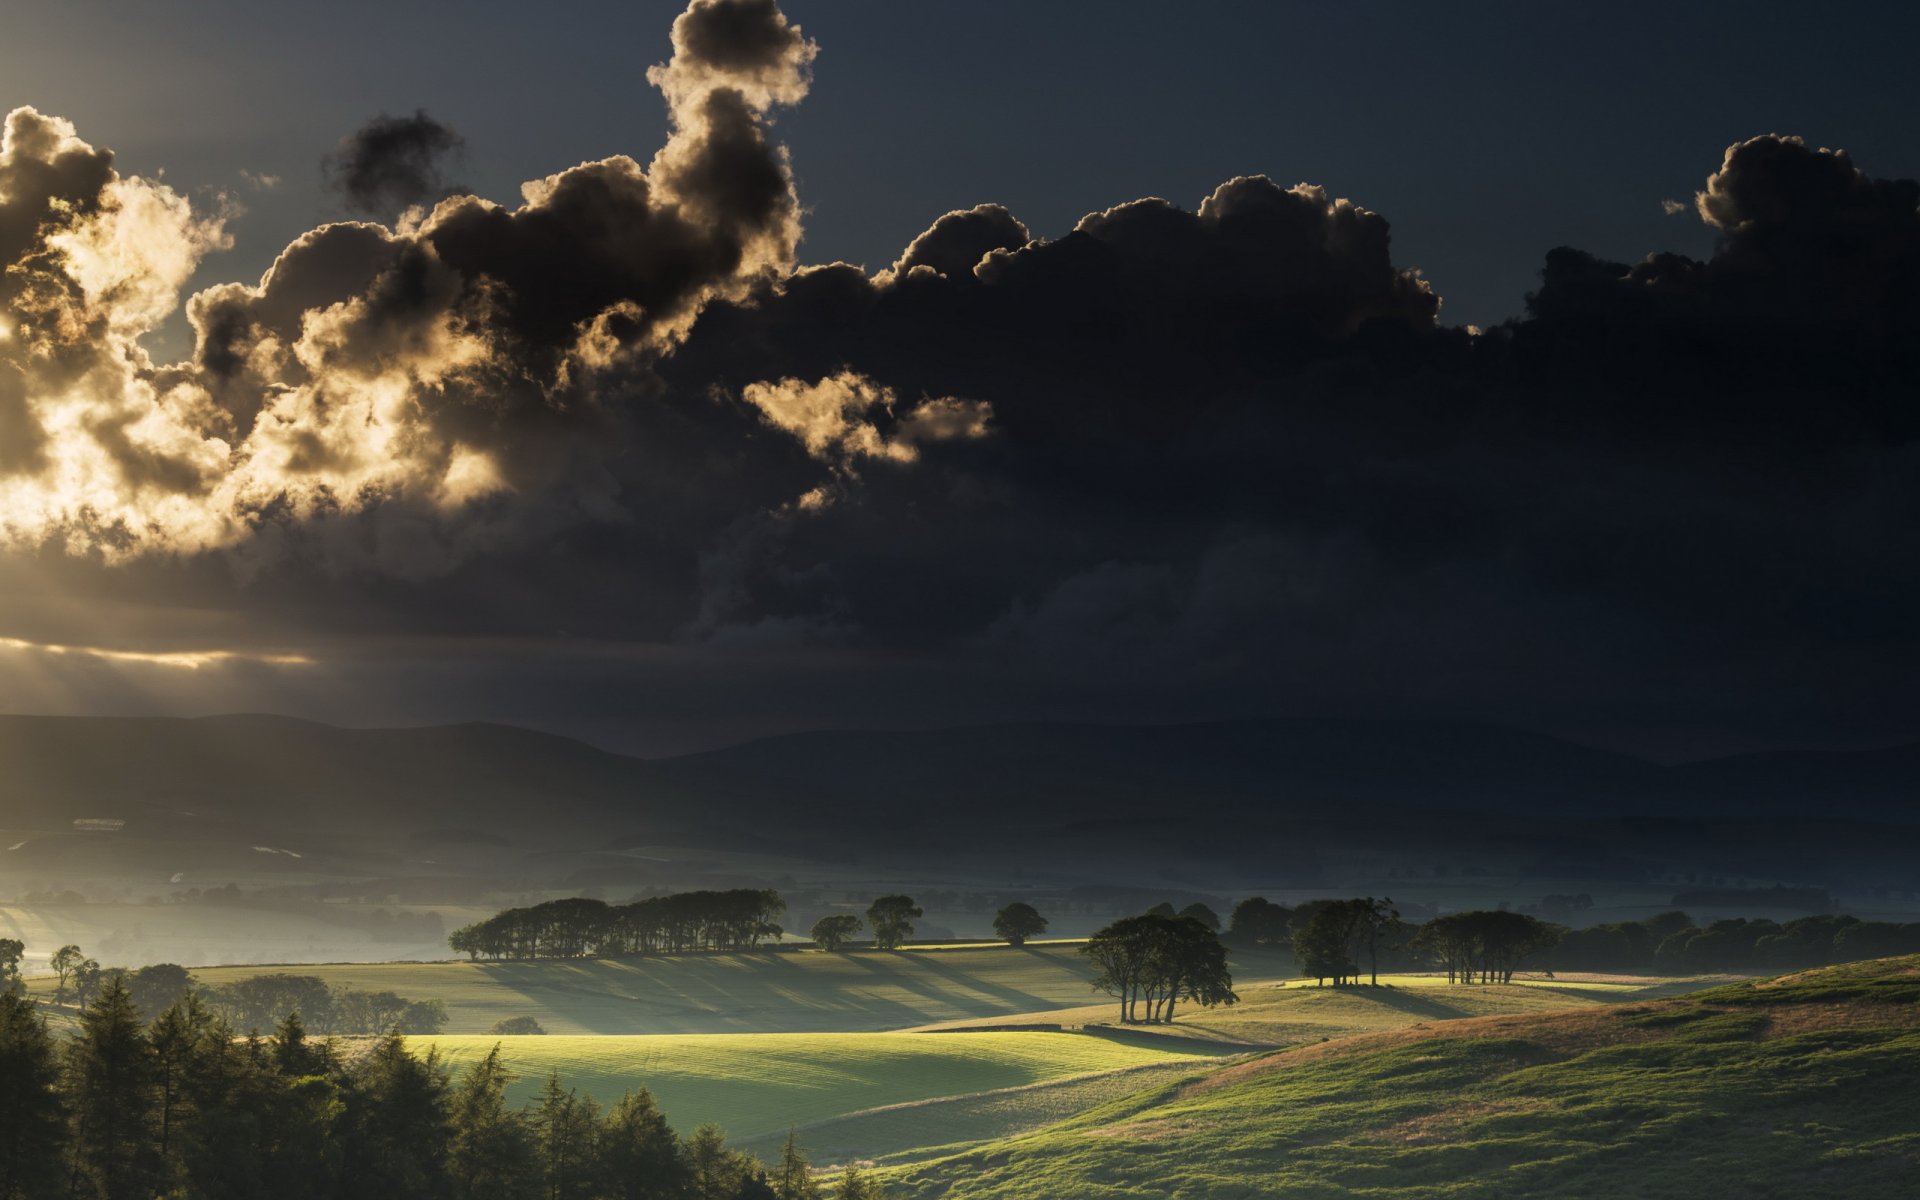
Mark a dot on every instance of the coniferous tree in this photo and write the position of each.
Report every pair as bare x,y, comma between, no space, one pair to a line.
32,1123
492,1155
566,1125
398,1132
176,1036
856,1184
110,1091
640,1157
792,1179
717,1171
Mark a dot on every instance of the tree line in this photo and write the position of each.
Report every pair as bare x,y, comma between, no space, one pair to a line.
1333,939
739,919
127,1109
577,927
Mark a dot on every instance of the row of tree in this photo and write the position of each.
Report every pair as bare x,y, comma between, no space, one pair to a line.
181,1107
1331,939
740,919
577,927
892,917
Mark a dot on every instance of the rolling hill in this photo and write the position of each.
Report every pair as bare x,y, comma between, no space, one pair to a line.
1800,1086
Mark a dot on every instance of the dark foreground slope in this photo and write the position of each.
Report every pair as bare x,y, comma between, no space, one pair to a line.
1808,1085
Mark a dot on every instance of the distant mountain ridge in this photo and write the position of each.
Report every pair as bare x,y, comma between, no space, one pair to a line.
1125,791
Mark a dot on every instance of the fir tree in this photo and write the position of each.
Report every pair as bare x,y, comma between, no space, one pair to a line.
32,1124
639,1154
110,1085
492,1155
793,1178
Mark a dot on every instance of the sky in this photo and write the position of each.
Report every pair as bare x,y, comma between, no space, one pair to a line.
621,454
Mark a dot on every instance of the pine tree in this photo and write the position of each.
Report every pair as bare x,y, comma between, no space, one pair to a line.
32,1125
855,1185
110,1084
398,1127
566,1126
640,1157
492,1155
718,1171
793,1178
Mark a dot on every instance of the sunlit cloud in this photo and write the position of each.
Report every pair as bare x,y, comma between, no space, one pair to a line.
187,660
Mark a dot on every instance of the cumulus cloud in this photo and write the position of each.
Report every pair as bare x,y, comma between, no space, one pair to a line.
393,163
954,245
1223,449
471,352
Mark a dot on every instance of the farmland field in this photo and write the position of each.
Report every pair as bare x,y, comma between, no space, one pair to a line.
806,992
757,1085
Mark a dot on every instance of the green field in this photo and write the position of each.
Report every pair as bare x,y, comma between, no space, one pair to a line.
787,992
1286,1012
1797,1087
759,1085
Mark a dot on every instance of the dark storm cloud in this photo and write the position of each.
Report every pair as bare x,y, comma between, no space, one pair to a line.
392,163
955,244
1174,460
1234,446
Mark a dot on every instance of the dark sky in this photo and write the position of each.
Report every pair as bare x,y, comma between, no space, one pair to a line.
608,464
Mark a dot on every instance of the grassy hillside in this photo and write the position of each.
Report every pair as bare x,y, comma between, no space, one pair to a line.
1287,1012
762,1083
1793,1087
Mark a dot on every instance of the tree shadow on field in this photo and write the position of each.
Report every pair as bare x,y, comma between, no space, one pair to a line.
1406,1000
1015,999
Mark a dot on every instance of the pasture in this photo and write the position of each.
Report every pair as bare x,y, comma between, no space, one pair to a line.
1774,1088
765,992
758,1085
1286,1012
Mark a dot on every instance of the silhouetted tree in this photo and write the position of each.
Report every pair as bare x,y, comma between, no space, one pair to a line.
738,919
1159,961
792,1178
835,930
1258,921
641,1159
491,1156
1482,947
1201,913
110,1091
1017,922
1162,909
565,1125
1323,942
397,1127
156,988
717,1172
891,918
32,1118
1374,922
87,978
63,962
